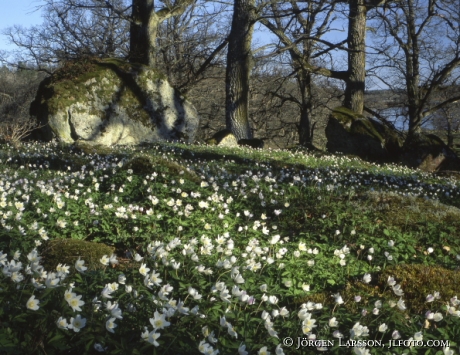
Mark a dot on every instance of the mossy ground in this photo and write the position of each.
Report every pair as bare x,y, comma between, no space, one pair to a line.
416,280
68,251
404,211
147,164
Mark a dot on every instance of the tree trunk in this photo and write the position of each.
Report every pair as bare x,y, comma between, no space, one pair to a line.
450,133
355,82
304,128
239,65
413,93
413,72
143,32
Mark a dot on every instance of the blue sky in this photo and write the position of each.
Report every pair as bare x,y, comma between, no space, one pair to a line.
18,12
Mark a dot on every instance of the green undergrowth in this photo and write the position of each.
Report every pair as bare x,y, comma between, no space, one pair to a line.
324,228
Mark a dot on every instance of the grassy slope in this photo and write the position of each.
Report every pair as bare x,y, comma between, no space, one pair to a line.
325,193
326,201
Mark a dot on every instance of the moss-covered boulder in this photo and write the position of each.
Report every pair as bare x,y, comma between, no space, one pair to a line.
224,138
111,102
429,153
67,251
352,134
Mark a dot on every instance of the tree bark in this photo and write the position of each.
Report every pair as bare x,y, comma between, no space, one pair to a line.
450,133
144,28
355,82
239,65
143,32
304,128
413,72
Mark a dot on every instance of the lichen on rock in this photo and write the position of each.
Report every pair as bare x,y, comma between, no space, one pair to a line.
111,102
224,138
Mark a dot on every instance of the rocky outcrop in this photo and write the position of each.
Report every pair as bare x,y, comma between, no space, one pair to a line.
224,138
352,134
111,102
429,153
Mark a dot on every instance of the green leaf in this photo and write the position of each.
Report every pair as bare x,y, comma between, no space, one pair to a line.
20,318
88,345
56,338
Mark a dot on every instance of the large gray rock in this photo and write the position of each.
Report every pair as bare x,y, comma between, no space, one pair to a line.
111,102
350,133
224,138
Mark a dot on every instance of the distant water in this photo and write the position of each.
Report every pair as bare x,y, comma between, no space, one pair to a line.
399,120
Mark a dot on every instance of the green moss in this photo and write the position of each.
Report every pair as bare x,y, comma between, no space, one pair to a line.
146,164
82,80
435,140
356,123
211,141
417,281
88,148
345,116
67,251
366,128
399,210
349,291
